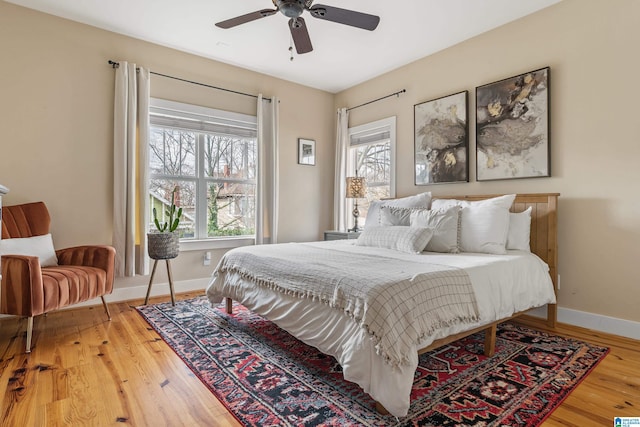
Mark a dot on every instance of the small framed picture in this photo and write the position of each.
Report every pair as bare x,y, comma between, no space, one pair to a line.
306,152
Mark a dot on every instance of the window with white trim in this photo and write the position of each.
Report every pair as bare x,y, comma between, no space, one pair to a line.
372,148
210,156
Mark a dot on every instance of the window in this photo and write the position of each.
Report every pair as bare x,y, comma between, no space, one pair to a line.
210,156
372,149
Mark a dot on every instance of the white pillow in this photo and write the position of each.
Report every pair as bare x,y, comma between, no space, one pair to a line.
445,225
422,200
503,201
412,240
40,246
484,229
519,230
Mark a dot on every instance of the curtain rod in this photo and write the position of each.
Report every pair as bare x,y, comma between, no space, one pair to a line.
379,99
117,64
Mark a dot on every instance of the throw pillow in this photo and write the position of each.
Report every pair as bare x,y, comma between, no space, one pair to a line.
484,229
445,225
391,215
519,230
40,246
422,200
412,240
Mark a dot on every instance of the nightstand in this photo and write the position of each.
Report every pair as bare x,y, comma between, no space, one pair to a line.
340,235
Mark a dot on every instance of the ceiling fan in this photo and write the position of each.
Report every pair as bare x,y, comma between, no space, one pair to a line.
294,8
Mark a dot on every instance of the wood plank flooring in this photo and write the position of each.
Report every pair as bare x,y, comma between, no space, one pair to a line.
87,371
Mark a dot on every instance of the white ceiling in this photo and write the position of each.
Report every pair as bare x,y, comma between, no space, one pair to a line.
343,56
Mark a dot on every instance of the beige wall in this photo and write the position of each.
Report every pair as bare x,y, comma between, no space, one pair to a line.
57,118
57,106
591,47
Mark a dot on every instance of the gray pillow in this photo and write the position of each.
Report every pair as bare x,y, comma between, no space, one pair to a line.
391,215
422,200
445,225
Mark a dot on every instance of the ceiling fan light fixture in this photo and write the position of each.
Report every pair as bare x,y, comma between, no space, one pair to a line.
291,8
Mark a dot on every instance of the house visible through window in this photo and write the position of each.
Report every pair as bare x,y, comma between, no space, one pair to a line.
210,156
372,156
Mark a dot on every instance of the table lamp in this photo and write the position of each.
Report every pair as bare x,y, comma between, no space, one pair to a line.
355,190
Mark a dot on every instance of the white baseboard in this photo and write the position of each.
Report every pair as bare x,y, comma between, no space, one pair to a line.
596,322
158,289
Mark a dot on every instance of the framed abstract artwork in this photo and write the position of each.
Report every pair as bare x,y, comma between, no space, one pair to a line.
441,140
512,127
306,152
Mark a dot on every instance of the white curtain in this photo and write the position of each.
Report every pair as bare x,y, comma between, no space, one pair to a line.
339,188
130,171
267,187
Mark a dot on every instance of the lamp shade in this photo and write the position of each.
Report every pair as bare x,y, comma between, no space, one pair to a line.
355,187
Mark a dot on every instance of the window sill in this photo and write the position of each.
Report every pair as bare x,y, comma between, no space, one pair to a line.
225,243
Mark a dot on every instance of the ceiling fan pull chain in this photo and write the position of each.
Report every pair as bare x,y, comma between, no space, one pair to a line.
290,47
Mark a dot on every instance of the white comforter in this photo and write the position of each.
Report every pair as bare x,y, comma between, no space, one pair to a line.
503,285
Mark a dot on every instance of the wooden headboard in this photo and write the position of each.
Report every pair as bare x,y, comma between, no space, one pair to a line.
544,231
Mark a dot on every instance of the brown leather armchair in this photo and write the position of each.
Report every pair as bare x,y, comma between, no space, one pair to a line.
82,273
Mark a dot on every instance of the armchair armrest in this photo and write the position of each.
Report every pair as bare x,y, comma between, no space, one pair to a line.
99,256
22,291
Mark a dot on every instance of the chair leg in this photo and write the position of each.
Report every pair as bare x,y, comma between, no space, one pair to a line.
29,333
106,307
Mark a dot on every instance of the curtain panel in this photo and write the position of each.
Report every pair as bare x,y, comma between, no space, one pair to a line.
340,186
268,170
130,170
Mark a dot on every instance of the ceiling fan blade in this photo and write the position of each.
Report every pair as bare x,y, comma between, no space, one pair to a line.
344,16
230,23
300,35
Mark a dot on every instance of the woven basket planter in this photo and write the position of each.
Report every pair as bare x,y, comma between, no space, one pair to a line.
163,245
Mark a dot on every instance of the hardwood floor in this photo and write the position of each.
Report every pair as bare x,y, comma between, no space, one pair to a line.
85,370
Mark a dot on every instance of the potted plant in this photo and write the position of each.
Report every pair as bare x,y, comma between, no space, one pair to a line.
164,241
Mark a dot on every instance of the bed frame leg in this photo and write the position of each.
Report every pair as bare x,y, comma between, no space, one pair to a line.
381,409
552,315
490,340
229,305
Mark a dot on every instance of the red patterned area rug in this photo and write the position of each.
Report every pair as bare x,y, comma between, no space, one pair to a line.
265,377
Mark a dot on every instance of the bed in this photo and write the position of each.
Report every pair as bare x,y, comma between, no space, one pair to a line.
380,351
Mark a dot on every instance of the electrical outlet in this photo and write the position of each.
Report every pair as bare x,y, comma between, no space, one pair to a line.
207,258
